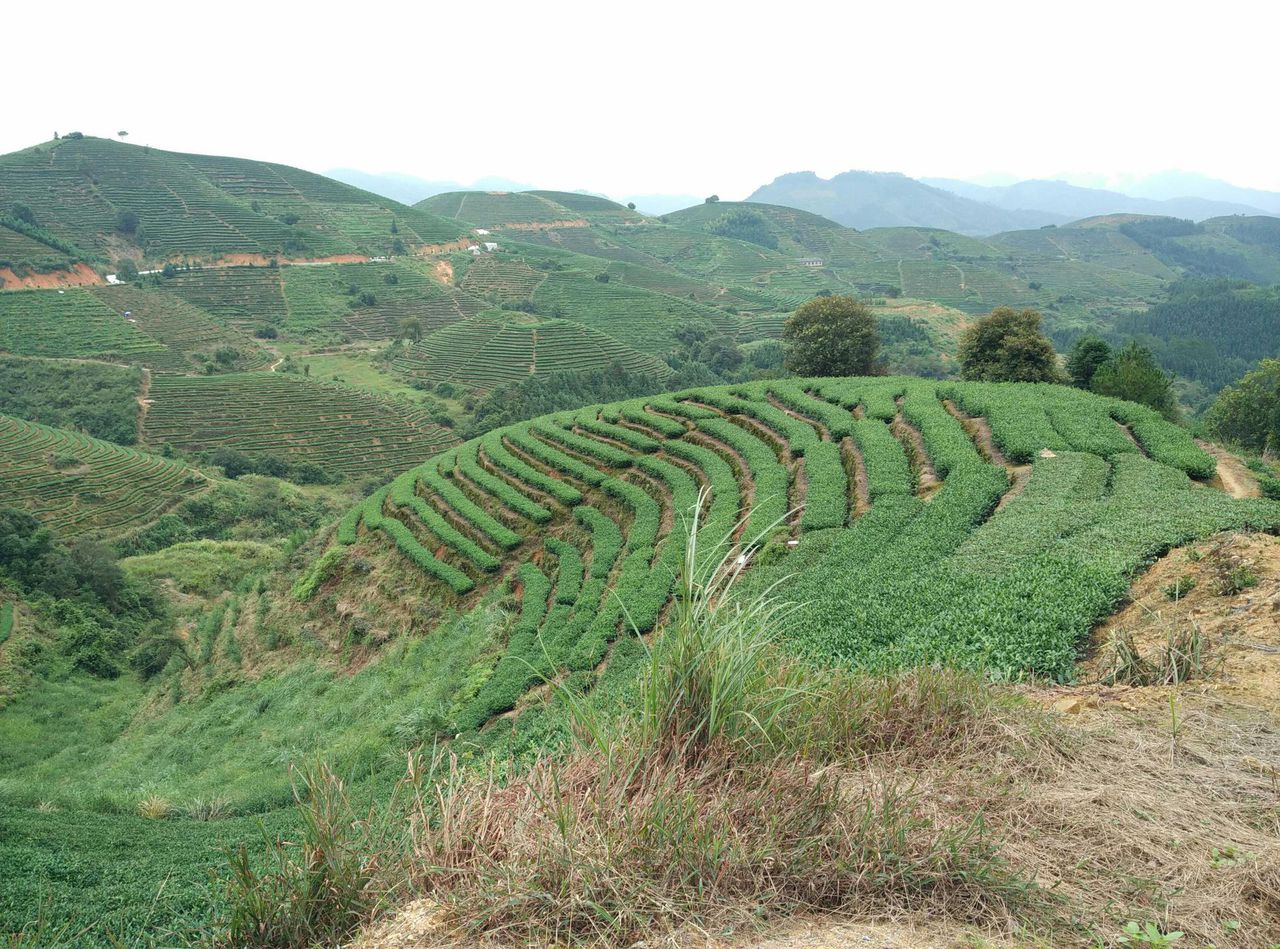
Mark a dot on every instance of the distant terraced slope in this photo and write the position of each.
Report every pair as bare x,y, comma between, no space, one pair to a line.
985,526
490,349
79,484
124,324
345,431
201,205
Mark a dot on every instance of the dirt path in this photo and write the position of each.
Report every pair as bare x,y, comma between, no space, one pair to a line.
927,480
1232,476
144,403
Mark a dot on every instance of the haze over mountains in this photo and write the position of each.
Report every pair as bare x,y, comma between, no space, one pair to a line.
865,199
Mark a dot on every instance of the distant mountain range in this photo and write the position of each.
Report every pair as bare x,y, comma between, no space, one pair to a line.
1058,197
865,199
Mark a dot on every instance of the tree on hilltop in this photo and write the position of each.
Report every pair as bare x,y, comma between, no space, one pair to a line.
1088,353
1247,413
1132,373
832,336
1008,345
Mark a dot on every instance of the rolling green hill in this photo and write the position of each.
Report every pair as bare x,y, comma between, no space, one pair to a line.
921,537
108,200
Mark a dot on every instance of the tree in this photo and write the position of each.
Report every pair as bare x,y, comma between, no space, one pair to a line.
127,222
411,329
1132,373
122,134
127,271
1007,345
713,199
832,336
631,205
1088,353
1247,413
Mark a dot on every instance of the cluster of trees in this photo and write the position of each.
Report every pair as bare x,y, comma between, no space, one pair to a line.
94,398
748,226
1009,345
237,464
104,622
1130,372
1161,237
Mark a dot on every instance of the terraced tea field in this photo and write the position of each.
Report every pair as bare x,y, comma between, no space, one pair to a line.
182,328
496,208
484,352
367,301
71,323
79,484
985,526
639,318
242,297
344,430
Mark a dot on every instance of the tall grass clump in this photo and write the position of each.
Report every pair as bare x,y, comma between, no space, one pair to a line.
735,790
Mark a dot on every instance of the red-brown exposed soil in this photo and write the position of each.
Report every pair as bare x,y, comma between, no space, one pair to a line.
79,275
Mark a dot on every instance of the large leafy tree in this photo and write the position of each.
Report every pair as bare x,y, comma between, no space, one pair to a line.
1132,373
832,336
1248,412
1088,353
1008,345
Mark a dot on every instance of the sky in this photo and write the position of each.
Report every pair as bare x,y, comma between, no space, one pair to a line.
662,97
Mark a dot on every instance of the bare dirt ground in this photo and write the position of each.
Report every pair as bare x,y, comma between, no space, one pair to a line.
1232,477
443,271
80,275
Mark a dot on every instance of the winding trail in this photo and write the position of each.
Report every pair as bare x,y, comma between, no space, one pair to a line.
1232,476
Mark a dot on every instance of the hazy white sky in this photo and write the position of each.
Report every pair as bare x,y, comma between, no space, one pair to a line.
685,97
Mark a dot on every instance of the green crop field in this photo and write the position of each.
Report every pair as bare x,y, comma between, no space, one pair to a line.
367,301
642,319
886,573
186,331
71,323
496,347
345,431
242,297
79,484
495,208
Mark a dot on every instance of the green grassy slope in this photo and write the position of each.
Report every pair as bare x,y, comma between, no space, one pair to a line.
537,549
343,430
200,205
80,484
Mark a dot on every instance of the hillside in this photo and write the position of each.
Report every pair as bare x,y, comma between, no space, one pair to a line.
865,199
541,549
104,201
79,484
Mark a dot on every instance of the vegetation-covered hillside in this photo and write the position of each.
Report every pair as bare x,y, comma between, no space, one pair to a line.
102,200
